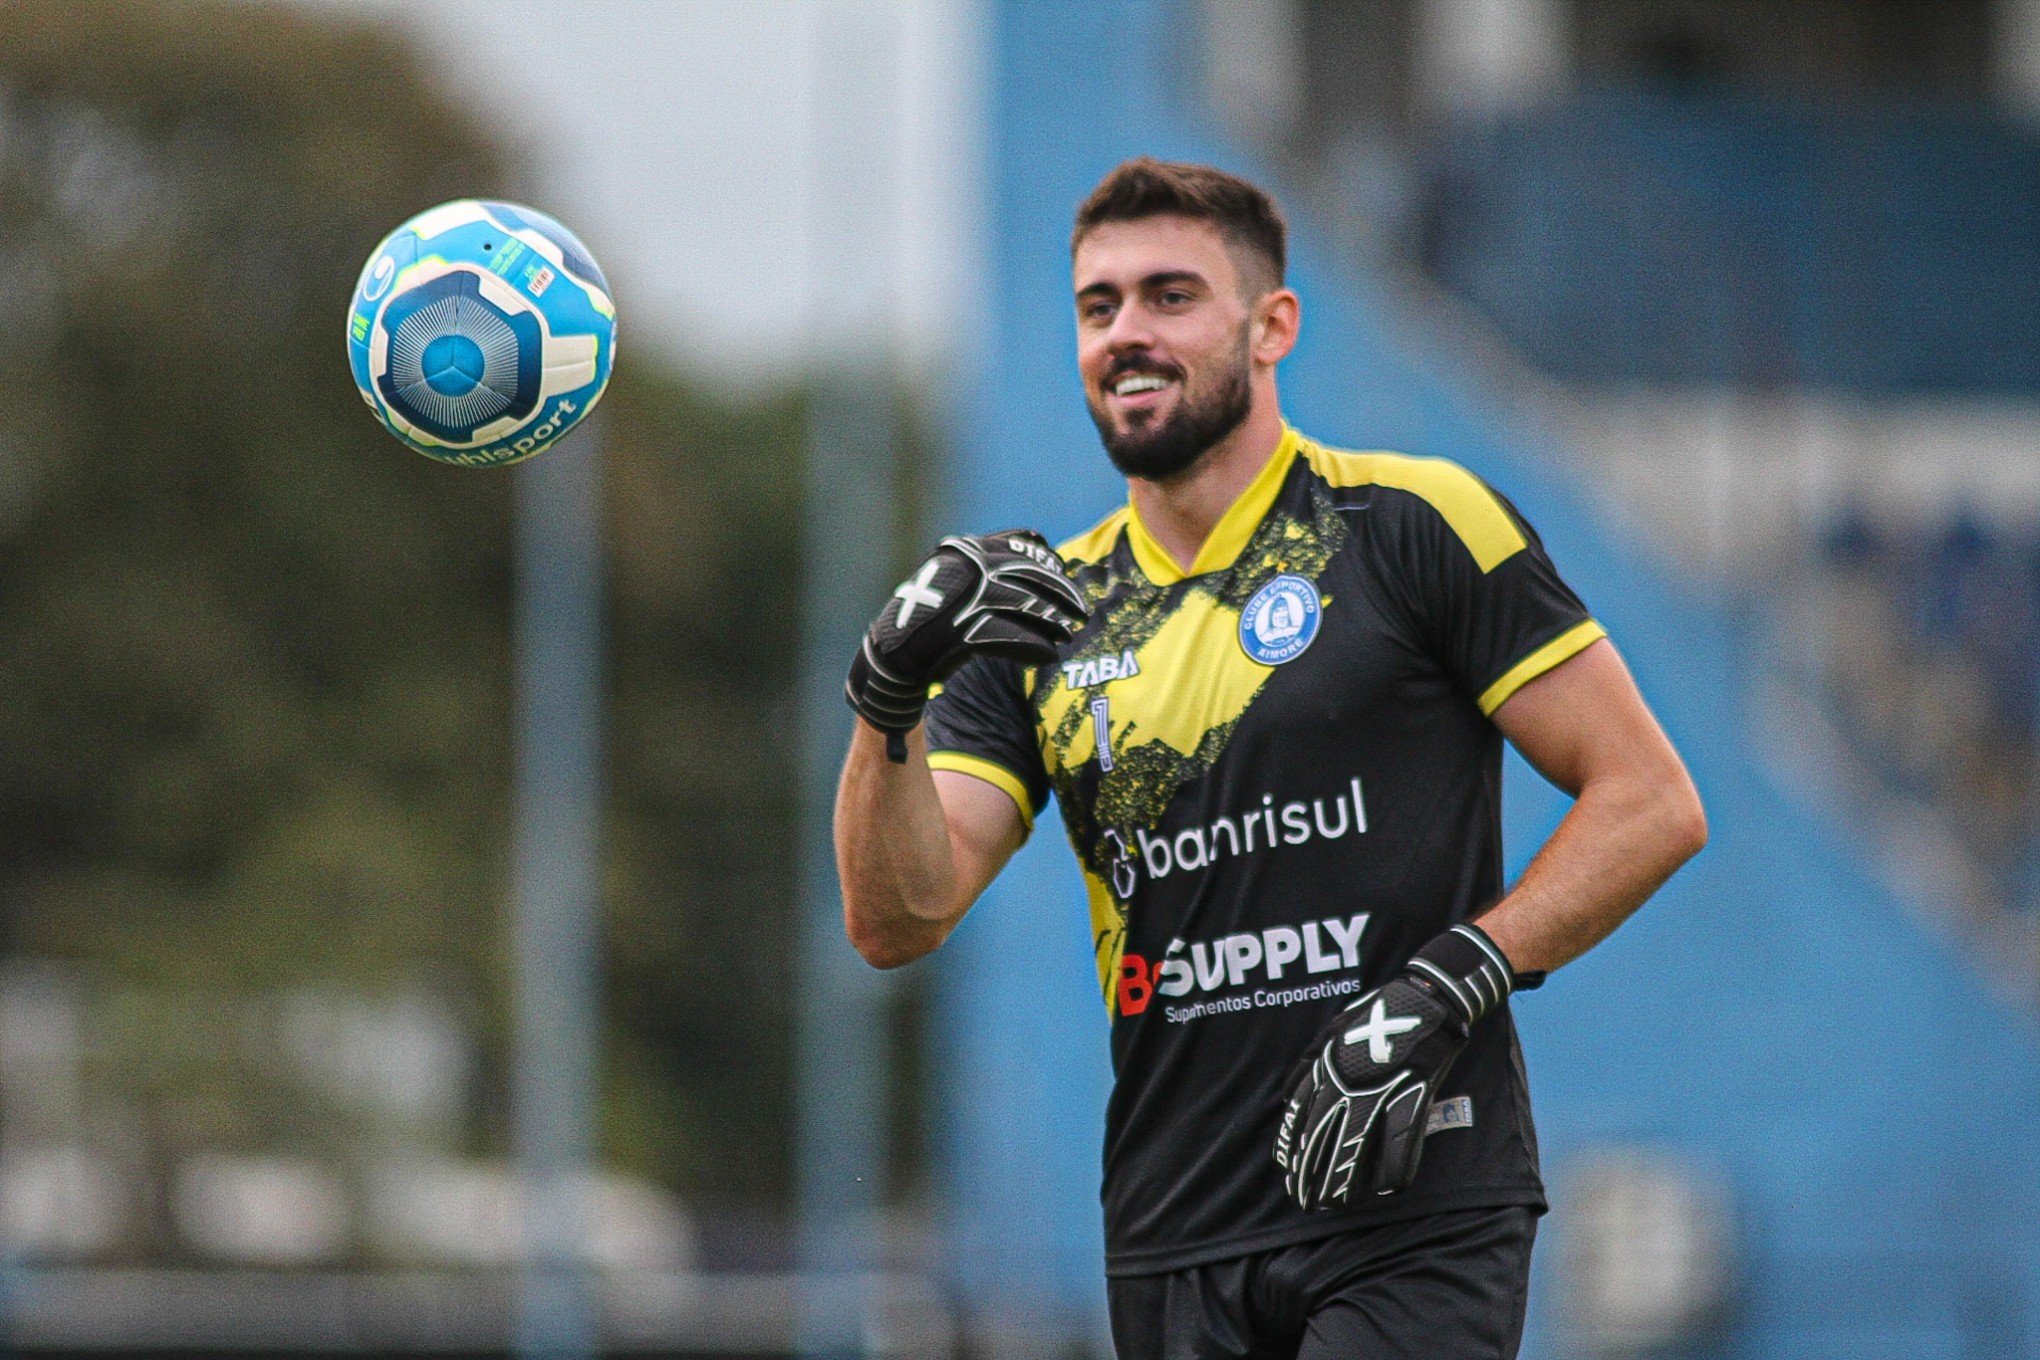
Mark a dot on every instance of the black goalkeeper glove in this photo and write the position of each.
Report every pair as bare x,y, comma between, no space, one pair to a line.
1355,1121
1004,593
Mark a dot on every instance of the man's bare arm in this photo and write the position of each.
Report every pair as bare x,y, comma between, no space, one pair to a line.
914,847
1635,819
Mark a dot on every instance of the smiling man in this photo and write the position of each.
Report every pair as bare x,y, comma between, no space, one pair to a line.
1269,694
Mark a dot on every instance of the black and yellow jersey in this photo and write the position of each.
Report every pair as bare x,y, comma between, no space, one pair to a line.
1279,774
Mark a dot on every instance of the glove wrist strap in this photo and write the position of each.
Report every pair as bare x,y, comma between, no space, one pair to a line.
889,703
1467,969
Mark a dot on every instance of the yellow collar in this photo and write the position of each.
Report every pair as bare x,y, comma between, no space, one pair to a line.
1228,538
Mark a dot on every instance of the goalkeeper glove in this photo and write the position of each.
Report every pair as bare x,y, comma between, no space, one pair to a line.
1358,1107
1005,594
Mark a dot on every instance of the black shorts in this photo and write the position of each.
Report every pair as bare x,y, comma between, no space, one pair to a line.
1447,1287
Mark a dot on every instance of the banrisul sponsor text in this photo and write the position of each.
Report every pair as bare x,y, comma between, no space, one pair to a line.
1256,830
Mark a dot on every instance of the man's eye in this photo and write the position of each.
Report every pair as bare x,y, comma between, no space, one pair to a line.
1096,311
1175,297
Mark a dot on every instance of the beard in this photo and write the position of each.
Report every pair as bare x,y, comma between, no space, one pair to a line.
1164,448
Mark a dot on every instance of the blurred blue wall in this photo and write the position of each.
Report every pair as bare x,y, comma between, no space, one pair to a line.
1775,1014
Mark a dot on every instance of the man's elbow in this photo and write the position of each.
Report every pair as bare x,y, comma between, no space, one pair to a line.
885,948
1685,820
885,955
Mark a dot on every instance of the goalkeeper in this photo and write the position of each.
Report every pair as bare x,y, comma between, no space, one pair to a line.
1269,694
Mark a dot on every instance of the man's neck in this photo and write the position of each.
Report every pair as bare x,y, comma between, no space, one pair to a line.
1182,511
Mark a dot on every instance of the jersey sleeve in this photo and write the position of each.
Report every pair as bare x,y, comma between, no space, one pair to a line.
1490,605
980,723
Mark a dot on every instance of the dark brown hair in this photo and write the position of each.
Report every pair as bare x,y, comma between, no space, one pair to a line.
1244,213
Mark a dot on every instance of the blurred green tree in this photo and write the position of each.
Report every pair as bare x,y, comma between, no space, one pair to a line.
255,656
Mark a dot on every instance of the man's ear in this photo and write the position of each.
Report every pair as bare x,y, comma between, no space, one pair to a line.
1278,316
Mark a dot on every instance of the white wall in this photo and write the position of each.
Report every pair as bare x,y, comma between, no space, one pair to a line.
1736,485
678,140
2016,55
1476,54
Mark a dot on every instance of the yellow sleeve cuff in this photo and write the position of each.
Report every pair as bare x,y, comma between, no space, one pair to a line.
1561,648
993,773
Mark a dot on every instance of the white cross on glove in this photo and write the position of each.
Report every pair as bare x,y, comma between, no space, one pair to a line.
1004,594
1358,1106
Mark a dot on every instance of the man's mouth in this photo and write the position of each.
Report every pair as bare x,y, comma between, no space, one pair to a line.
1133,384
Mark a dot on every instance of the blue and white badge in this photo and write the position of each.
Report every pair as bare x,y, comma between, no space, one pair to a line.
1281,620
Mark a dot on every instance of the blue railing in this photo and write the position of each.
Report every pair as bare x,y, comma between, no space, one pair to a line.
1625,236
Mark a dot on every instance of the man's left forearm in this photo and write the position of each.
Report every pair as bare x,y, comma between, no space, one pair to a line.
1636,815
1621,840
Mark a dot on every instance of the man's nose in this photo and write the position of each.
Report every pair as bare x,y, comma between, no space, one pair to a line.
1130,331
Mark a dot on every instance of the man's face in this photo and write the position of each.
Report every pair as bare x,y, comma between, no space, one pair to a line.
1163,341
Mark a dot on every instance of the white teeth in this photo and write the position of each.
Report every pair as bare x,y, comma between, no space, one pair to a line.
1142,382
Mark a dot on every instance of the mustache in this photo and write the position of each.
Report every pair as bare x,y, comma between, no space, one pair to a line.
1140,364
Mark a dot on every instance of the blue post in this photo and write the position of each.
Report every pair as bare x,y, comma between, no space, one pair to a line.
843,1055
558,645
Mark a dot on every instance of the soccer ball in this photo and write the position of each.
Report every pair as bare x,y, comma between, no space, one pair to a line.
481,332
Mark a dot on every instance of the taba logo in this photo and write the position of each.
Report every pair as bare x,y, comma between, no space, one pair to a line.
1100,670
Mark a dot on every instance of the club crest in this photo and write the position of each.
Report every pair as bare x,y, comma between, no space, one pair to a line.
1281,620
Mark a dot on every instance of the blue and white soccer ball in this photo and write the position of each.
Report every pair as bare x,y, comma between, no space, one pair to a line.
481,332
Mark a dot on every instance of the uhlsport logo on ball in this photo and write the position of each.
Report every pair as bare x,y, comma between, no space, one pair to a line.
481,332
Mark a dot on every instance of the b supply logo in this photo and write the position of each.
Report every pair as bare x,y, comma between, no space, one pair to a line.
1294,955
